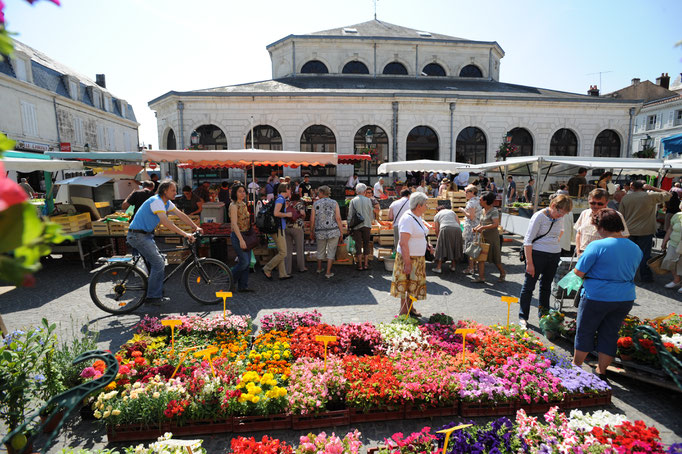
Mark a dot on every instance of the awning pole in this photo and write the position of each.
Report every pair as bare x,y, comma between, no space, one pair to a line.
49,201
538,186
505,202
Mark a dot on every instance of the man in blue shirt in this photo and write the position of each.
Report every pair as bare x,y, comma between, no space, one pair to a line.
141,235
462,180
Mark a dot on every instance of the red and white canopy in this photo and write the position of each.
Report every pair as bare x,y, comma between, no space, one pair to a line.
241,158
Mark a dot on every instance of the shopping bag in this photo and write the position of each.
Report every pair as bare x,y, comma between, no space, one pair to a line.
252,262
485,248
571,282
655,264
350,245
474,248
130,210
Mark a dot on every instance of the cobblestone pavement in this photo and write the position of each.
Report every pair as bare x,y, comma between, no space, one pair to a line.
62,296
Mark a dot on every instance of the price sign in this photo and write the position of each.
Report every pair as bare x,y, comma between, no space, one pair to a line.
326,340
172,324
224,296
509,300
206,354
182,358
412,301
448,432
658,321
464,332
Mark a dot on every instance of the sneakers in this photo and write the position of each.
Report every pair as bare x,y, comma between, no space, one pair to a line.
329,276
523,324
437,270
157,301
672,284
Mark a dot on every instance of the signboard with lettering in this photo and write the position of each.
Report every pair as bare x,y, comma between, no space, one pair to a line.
65,146
32,146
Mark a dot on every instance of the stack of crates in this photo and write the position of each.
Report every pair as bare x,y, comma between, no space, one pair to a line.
73,224
458,200
162,230
100,228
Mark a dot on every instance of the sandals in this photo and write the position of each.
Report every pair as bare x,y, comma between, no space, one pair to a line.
479,281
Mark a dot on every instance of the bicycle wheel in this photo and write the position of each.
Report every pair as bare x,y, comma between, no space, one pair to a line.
202,284
118,289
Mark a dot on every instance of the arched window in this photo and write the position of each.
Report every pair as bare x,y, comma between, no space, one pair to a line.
375,143
211,137
434,69
563,143
355,67
470,71
171,143
395,69
314,67
319,139
472,146
265,138
522,139
607,145
422,143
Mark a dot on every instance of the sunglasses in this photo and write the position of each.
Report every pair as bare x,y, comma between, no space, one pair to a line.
601,204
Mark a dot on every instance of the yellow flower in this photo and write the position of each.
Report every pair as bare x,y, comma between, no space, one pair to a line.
286,354
257,390
241,399
97,414
276,357
106,414
111,386
156,395
282,392
255,399
272,382
240,385
116,412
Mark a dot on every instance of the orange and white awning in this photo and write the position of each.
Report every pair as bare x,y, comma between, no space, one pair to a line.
241,158
353,158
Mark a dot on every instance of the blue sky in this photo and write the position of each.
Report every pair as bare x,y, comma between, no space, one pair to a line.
148,47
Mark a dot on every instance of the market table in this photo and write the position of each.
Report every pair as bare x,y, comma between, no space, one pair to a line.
81,240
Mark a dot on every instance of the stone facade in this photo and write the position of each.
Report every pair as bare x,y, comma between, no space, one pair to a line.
657,120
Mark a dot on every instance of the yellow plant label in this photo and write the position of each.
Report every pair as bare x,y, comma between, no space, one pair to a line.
509,300
326,340
464,332
448,432
172,324
224,296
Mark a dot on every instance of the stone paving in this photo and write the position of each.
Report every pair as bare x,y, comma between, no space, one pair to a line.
62,296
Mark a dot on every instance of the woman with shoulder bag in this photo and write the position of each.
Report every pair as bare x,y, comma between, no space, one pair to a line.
361,206
542,252
409,268
487,227
240,220
472,214
295,237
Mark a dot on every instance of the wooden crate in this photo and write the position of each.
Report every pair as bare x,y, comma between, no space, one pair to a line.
176,257
75,223
100,228
383,214
384,253
385,240
117,228
431,203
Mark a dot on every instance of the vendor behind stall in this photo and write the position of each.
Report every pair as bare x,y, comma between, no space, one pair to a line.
305,189
576,181
137,198
189,203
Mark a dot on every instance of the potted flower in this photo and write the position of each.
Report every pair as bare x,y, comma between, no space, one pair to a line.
625,348
505,150
22,382
550,324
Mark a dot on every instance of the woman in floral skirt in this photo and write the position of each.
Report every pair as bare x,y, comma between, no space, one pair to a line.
472,214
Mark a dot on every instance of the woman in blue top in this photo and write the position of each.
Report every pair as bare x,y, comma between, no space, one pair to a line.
608,266
283,193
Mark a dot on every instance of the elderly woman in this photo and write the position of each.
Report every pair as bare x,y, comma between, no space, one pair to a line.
487,227
543,251
409,269
472,214
361,233
325,227
586,231
672,246
609,293
449,245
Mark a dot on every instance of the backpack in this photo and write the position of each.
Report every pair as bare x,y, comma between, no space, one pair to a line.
266,220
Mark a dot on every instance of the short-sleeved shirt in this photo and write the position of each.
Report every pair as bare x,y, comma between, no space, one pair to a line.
188,206
446,218
378,189
325,219
462,179
362,205
147,216
282,201
511,185
610,265
224,195
306,189
137,198
574,185
254,188
243,217
588,231
528,193
639,210
204,193
413,225
399,208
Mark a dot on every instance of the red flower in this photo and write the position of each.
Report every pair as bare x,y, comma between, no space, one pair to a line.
625,342
10,192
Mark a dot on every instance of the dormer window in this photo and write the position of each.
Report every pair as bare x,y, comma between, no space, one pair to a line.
73,89
352,31
123,106
22,67
96,97
107,103
424,34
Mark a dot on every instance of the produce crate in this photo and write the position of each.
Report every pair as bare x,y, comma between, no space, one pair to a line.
100,228
431,203
176,257
384,253
117,228
243,424
385,240
383,214
75,223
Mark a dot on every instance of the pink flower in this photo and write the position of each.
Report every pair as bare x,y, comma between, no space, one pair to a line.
10,192
88,372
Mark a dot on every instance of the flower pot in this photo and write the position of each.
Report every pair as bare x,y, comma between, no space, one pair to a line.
376,414
49,425
133,432
551,335
625,357
475,409
416,412
243,424
325,419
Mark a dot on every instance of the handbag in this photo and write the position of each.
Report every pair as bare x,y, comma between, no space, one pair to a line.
356,219
251,238
474,249
655,264
485,248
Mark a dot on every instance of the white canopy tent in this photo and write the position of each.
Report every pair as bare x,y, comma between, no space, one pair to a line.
46,165
422,165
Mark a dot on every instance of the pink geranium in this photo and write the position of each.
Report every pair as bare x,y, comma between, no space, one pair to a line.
10,192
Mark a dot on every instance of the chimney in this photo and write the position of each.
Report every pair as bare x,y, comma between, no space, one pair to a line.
593,91
635,81
663,81
101,80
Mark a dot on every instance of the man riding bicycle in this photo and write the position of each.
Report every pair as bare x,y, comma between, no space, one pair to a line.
141,235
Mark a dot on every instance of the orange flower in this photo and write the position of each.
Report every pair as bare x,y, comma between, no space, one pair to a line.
100,366
136,353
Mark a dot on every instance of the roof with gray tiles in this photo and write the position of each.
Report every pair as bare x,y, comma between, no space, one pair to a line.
47,74
390,86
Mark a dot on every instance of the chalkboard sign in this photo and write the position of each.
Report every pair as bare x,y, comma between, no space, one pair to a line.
386,203
445,203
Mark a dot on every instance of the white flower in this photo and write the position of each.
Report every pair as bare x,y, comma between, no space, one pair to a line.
600,418
156,395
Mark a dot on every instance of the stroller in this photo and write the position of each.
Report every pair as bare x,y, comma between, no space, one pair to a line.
566,265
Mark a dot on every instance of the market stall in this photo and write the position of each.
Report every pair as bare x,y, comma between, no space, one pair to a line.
422,165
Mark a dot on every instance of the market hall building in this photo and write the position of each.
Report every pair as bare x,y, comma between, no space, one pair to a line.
395,93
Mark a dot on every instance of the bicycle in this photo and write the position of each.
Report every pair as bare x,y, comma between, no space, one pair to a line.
120,286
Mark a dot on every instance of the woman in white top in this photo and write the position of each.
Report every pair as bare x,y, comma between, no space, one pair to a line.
409,269
449,245
586,231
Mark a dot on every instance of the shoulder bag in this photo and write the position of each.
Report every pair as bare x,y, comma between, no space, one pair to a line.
428,255
356,219
474,248
522,254
251,238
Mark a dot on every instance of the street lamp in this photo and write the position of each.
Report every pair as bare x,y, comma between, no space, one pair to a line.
646,142
508,138
194,138
86,147
369,136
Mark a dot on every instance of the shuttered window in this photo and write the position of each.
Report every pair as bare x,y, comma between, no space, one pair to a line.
78,134
28,118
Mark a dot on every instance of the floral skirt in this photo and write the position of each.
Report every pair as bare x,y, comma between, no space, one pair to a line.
414,284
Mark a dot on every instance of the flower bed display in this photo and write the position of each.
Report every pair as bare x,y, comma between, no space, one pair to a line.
281,378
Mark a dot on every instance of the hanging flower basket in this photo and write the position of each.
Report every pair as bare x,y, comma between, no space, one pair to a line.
506,150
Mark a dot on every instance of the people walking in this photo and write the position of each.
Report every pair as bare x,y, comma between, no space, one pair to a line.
283,193
542,252
240,221
295,236
449,244
361,232
488,227
397,209
673,250
472,215
325,229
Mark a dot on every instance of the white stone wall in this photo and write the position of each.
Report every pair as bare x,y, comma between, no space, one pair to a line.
666,115
12,93
414,55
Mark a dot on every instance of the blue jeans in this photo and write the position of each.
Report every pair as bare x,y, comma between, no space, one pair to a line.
146,246
644,243
602,318
546,264
240,271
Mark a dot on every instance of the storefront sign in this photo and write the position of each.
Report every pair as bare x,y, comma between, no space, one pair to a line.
32,146
65,146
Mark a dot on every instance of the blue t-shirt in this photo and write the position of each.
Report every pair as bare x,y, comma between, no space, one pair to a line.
610,266
282,201
146,218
